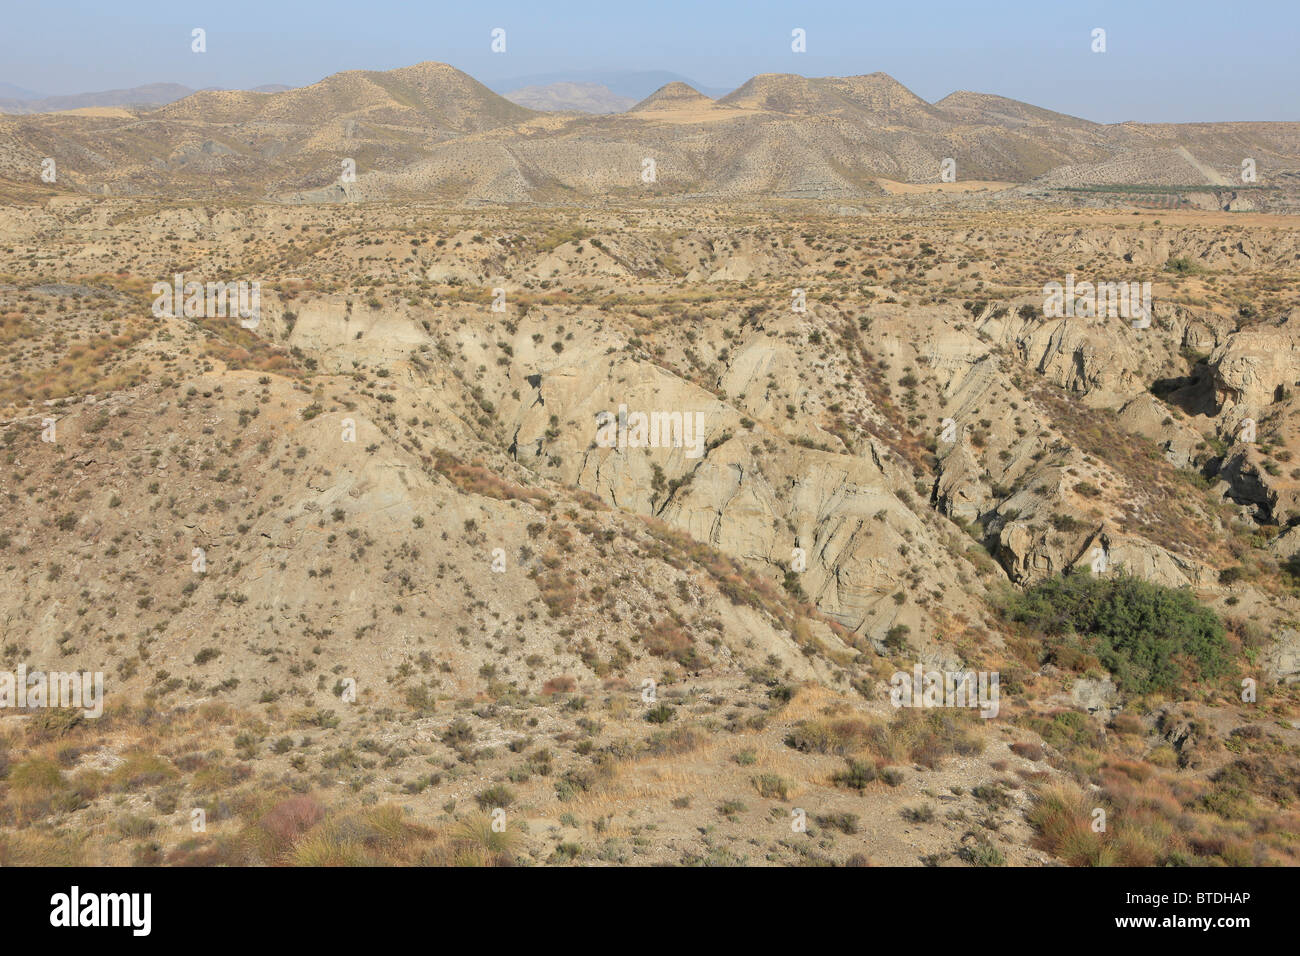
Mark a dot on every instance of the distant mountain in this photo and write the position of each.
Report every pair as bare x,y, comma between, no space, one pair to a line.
431,131
578,97
14,99
877,97
152,94
425,94
10,92
674,96
635,85
1000,111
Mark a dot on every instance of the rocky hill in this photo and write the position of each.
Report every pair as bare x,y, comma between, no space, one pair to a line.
369,566
430,131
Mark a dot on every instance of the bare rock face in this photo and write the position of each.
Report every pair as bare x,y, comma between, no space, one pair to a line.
772,504
1098,697
1287,544
1128,554
959,492
1146,415
1185,734
1084,356
1248,484
1030,555
1281,659
1256,366
332,326
1024,554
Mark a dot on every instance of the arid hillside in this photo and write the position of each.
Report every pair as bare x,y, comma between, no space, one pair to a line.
430,131
363,573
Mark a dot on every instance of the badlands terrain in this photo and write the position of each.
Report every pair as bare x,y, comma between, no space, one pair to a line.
365,587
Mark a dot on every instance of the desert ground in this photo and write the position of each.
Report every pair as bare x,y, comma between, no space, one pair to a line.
366,586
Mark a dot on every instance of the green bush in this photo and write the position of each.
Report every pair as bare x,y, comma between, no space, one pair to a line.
1150,637
1183,266
497,795
660,714
772,785
856,775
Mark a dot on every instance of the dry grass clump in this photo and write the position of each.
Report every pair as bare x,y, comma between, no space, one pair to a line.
839,735
33,788
476,479
1156,818
1063,816
1159,809
299,831
739,584
1027,749
666,639
471,842
564,684
141,769
40,849
679,740
286,823
557,590
377,836
383,836
913,736
928,737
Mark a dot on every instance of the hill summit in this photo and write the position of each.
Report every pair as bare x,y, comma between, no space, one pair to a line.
673,96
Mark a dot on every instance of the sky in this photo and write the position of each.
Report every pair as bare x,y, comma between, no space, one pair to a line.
1164,61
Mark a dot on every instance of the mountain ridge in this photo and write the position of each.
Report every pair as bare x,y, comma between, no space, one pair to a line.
431,130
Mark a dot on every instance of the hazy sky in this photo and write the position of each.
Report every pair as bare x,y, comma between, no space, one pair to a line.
1165,61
